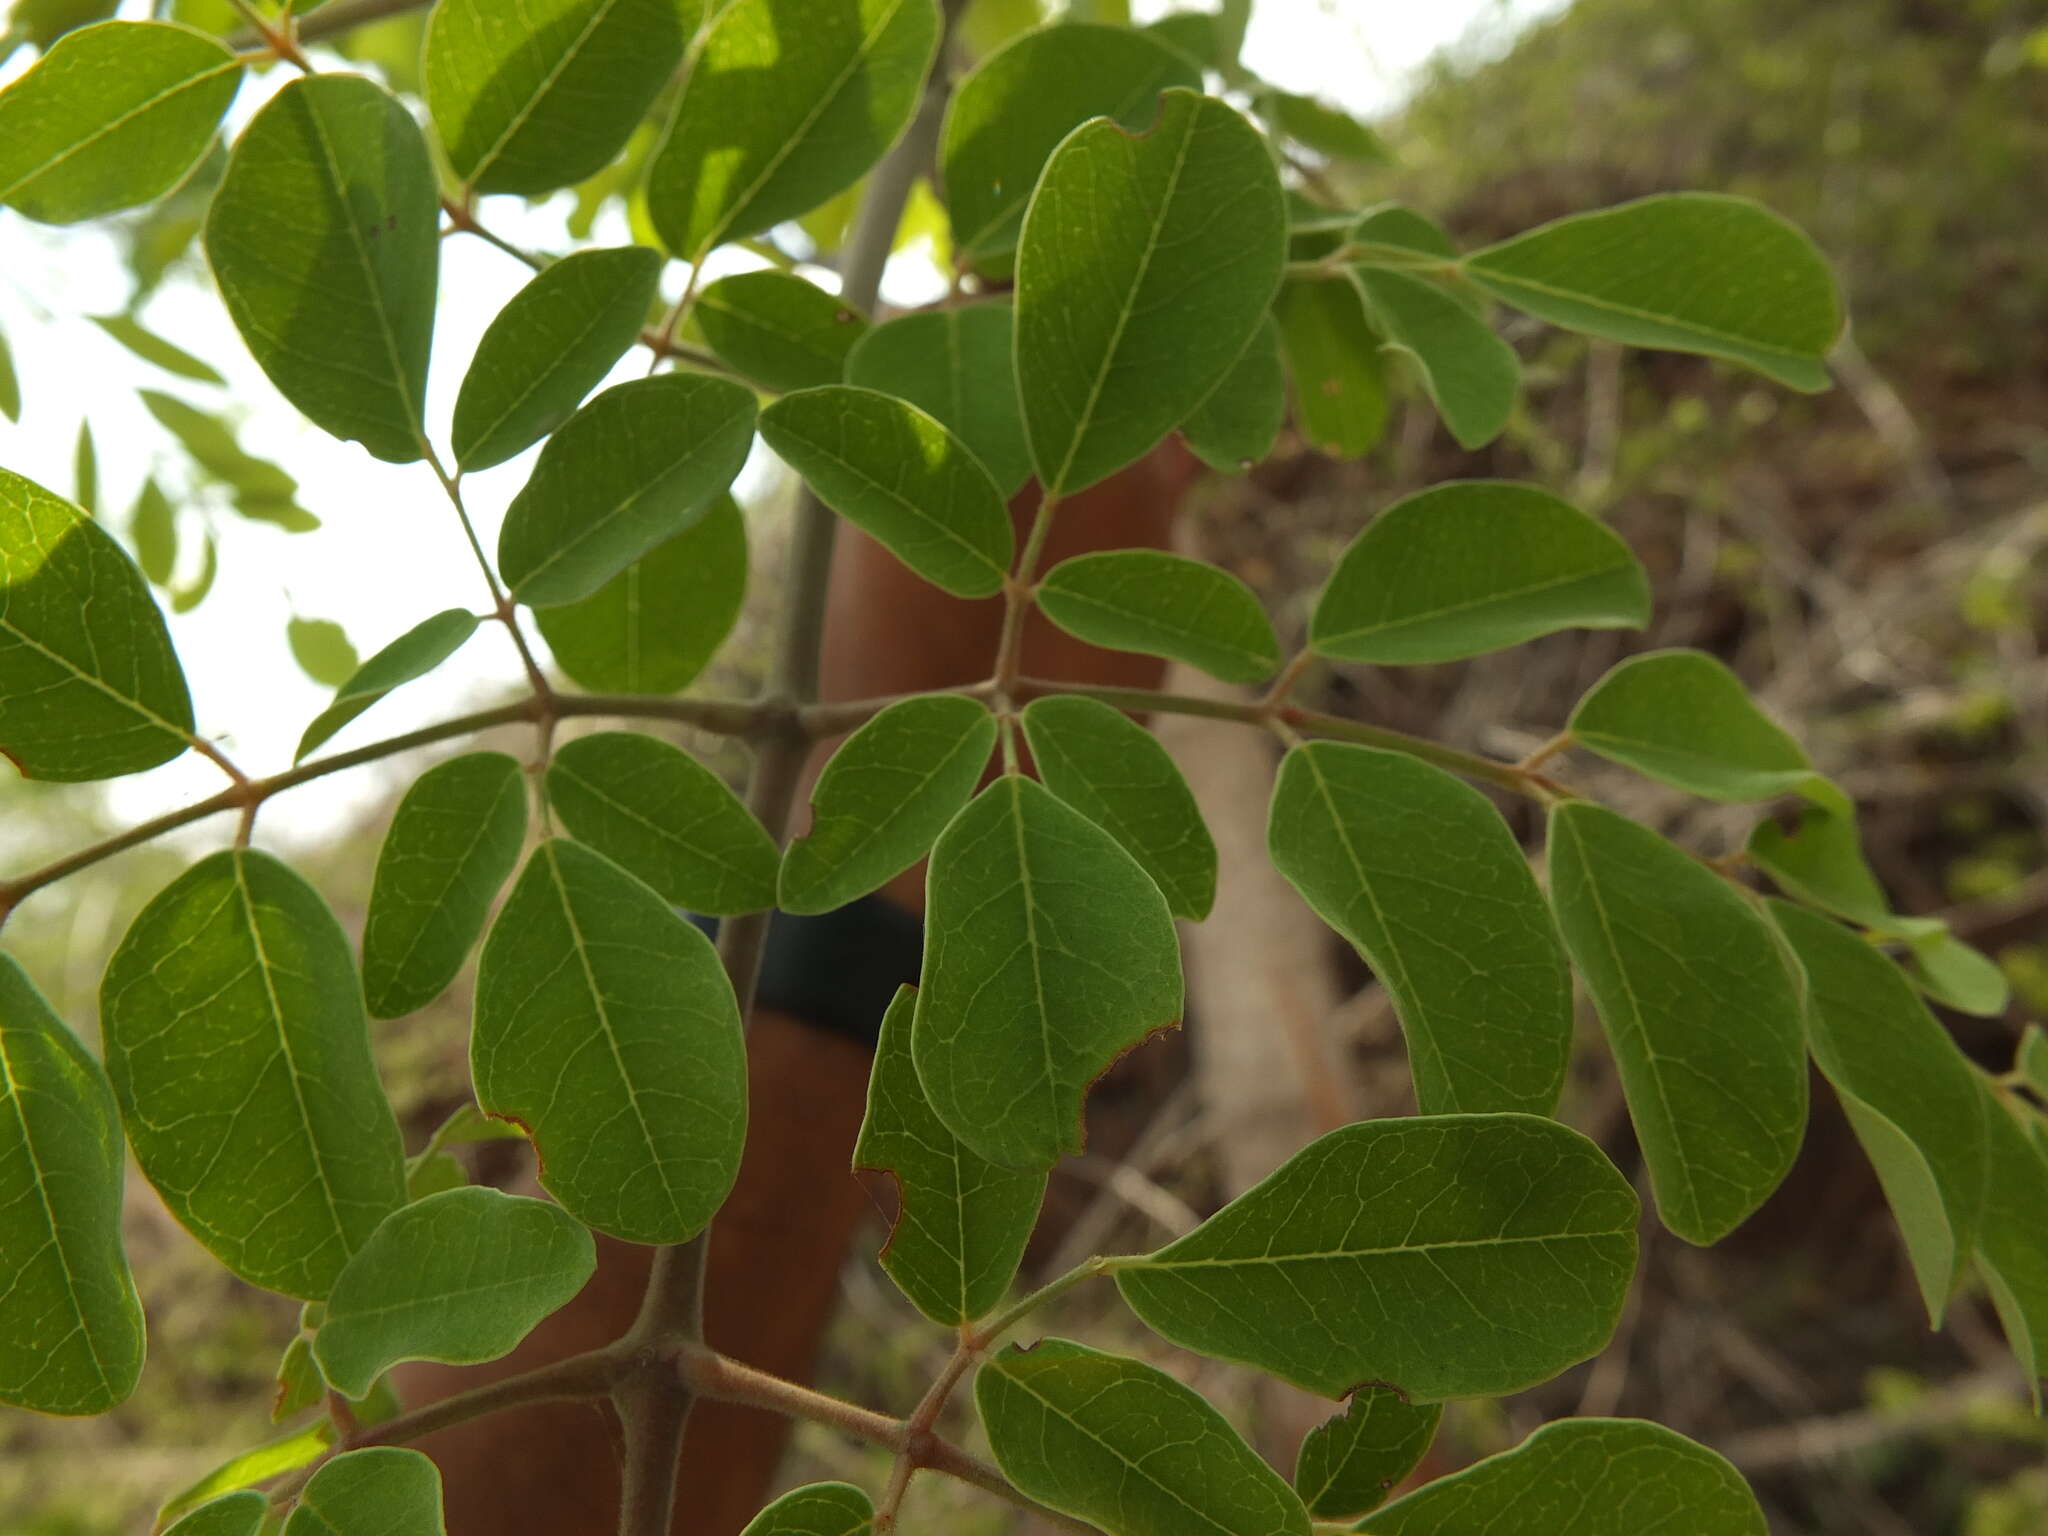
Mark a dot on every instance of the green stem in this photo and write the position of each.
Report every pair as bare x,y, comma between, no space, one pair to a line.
1002,1322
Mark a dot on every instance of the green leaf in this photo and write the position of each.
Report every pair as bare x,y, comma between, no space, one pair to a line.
1317,126
1048,954
1349,1464
631,470
184,599
1395,228
885,797
1910,1094
1700,1010
285,1453
778,330
2030,1059
85,472
818,1509
1114,771
1420,873
1475,566
1124,1446
549,348
653,627
1684,718
1448,1256
1957,975
605,1026
453,843
957,366
531,97
234,1514
10,384
383,1491
1161,604
902,478
321,648
778,114
1584,1477
1471,374
661,815
1685,271
1235,427
1144,268
411,656
89,685
234,1033
434,1172
459,1277
153,530
111,116
962,1222
1333,356
152,348
1009,115
2012,1241
262,490
70,1321
299,1382
325,239
1821,862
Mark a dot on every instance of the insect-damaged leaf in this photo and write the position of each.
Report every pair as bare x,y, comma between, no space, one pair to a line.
1350,1463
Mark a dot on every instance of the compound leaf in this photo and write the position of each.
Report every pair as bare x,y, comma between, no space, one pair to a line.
411,656
817,1509
955,365
382,1491
1471,374
1684,718
1161,604
1350,1463
778,330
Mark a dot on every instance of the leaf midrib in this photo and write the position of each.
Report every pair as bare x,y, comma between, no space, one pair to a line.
114,125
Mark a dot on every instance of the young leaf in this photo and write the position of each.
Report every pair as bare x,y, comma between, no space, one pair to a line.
153,530
453,843
1421,874
778,330
661,815
963,1222
234,1033
1957,975
1049,953
70,1321
321,648
273,1458
817,1509
385,1490
541,95
152,348
1685,271
902,478
1235,427
1475,566
885,797
111,116
2012,1241
89,685
1008,116
1126,239
1333,355
1821,862
549,348
1350,1464
1124,1446
1114,771
1699,1008
653,627
1910,1094
1160,604
1588,1477
605,1026
631,470
459,1277
411,656
234,1514
955,365
775,117
325,239
1684,718
1448,1256
1471,374
299,1382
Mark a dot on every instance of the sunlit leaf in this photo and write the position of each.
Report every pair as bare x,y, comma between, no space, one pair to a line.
411,656
383,1491
273,1458
299,1382
1333,356
153,530
10,384
1351,1463
778,330
1471,374
1161,604
321,648
817,1509
261,490
184,599
1235,427
152,348
955,365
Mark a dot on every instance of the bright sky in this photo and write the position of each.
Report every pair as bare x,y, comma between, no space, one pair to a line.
390,552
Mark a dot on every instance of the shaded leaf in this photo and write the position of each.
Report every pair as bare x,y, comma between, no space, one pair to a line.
152,348
184,599
955,365
1420,873
1316,125
10,384
663,816
885,797
321,648
234,1032
817,1509
1471,374
382,1491
1475,566
1448,1256
1821,862
325,239
1700,1011
1957,975
234,1514
550,347
2012,1242
153,530
411,656
635,467
454,841
605,1026
2030,1059
261,489
1235,427
1049,953
1352,1462
299,1382
70,1321
1333,356
778,330
85,472
89,685
1161,604
1684,718
1124,1446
